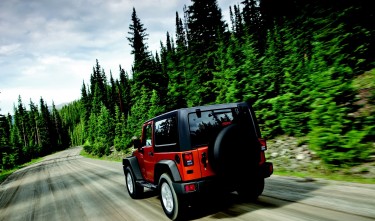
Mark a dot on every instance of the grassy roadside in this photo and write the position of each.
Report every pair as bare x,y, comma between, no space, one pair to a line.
108,158
5,173
327,176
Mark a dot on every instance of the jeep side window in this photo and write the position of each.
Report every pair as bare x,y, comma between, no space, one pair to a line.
166,132
147,139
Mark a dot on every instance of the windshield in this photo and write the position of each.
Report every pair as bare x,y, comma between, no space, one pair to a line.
206,125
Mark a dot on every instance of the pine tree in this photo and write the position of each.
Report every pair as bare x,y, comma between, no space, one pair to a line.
174,63
13,153
137,41
97,100
119,142
86,103
227,76
105,133
138,115
73,118
45,125
156,106
62,139
180,34
124,92
35,141
161,84
112,95
253,23
98,87
92,132
270,80
237,23
21,122
142,66
206,29
293,104
5,147
4,131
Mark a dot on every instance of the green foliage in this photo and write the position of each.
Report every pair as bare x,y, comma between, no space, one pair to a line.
87,147
156,106
138,115
303,67
104,133
205,31
30,134
120,132
300,66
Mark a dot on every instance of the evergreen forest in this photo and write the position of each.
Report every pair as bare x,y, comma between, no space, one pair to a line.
307,68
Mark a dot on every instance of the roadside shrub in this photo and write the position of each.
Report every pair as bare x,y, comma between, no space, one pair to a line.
87,147
8,161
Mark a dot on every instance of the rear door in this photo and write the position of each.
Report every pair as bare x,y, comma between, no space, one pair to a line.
204,128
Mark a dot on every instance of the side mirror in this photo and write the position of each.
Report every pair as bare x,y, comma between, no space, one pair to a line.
136,143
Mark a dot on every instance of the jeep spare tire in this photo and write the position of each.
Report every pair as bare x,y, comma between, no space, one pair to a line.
235,151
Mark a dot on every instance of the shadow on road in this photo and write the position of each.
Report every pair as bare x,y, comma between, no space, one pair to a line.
278,193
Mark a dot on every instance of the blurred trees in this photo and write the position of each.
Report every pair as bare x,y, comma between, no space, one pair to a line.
298,63
31,133
306,66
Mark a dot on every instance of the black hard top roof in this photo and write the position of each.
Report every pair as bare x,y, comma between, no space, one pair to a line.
202,108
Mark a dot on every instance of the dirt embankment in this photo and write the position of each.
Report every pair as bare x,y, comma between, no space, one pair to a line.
291,155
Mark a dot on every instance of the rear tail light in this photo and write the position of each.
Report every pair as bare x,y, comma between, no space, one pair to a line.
188,159
263,144
189,187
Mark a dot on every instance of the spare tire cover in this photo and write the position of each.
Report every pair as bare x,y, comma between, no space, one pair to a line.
235,151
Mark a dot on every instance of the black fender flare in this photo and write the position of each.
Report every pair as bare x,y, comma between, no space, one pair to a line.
132,162
166,166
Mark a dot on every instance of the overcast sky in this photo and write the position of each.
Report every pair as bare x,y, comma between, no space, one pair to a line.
48,47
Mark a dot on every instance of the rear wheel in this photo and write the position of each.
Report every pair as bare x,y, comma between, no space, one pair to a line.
169,200
251,191
135,190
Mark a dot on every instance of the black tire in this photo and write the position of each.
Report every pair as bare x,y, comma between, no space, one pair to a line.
172,205
235,152
135,190
251,191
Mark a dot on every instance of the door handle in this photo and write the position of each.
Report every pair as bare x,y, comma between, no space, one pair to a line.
150,153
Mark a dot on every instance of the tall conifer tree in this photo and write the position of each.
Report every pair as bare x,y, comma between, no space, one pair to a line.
205,28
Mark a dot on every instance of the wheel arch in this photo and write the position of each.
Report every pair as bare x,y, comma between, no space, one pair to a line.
169,167
132,162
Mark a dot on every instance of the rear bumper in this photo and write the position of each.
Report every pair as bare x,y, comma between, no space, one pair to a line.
212,184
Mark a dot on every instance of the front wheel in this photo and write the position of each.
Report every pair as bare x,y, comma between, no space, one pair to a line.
169,200
135,190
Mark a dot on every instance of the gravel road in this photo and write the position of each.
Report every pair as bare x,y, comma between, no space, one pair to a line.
66,186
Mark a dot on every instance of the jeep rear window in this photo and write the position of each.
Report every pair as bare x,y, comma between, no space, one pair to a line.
205,128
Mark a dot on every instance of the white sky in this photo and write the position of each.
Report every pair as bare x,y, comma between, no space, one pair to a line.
48,47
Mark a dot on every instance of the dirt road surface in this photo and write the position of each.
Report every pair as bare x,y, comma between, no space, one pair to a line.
66,186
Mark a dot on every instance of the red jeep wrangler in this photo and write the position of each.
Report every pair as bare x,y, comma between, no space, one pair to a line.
193,150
